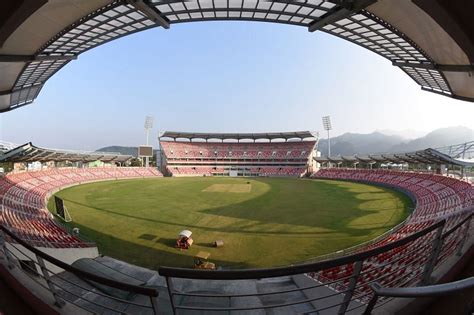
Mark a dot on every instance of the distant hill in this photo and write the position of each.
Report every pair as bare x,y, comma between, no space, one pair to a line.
119,149
356,143
377,142
408,134
123,150
438,138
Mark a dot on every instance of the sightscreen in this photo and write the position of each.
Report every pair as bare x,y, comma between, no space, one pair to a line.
59,207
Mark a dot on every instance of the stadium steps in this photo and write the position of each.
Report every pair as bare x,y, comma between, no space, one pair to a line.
302,281
79,292
217,288
279,284
78,295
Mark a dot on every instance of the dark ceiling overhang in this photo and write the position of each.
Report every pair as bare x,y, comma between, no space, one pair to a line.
14,13
456,18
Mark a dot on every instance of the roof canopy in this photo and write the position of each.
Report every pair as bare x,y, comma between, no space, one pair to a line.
237,136
30,153
430,40
428,156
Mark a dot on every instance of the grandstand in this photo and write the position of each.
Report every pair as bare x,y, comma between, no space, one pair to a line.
23,197
240,157
23,194
437,197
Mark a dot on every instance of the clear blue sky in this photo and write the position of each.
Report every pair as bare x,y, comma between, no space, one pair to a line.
225,77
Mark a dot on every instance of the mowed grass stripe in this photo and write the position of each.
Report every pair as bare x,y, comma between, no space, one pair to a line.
278,221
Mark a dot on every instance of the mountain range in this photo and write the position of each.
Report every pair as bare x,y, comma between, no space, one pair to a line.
375,142
123,150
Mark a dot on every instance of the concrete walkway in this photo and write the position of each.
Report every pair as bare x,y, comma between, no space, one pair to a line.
258,300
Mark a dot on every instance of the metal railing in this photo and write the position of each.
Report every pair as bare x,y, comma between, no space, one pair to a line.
336,286
431,290
63,289
413,292
360,246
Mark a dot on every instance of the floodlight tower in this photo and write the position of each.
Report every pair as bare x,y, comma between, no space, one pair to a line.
148,126
327,126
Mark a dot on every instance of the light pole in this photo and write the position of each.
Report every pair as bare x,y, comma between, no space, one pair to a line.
148,126
327,126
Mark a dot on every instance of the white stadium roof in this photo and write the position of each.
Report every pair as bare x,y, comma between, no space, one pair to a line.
31,153
237,136
431,40
460,155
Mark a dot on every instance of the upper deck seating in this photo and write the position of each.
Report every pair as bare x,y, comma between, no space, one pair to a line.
259,158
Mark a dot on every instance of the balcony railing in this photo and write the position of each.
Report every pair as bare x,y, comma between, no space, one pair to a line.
335,286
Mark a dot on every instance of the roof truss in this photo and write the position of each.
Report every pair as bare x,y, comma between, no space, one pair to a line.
428,156
237,136
30,153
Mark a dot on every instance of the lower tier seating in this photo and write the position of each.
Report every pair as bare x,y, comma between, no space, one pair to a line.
23,200
295,171
436,197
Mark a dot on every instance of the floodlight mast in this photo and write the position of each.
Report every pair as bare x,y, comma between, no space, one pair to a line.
327,126
148,126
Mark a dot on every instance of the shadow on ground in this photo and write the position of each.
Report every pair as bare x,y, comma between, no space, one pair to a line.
125,250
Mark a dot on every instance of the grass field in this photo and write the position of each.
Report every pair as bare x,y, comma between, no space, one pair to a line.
263,222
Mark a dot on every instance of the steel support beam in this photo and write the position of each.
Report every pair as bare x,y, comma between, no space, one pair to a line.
463,240
169,285
390,159
435,251
151,12
30,58
59,302
433,66
343,9
3,245
6,92
351,288
377,159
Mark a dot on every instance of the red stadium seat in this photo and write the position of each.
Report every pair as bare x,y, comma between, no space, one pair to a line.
23,200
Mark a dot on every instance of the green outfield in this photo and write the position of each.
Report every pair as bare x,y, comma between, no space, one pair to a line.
262,221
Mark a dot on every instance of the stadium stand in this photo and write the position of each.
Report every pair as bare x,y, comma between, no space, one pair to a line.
23,199
289,158
437,197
